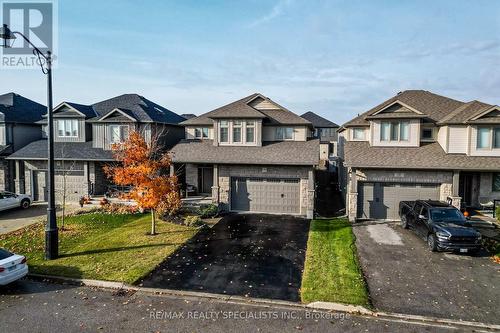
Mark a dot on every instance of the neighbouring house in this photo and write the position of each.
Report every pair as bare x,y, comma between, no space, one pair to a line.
252,155
188,115
18,127
84,136
326,131
419,145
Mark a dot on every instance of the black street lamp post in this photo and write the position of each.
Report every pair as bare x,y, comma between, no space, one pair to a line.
45,62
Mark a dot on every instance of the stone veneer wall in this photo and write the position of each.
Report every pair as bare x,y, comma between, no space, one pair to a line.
444,178
302,172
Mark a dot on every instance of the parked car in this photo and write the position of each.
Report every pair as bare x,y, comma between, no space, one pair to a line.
12,267
10,200
443,226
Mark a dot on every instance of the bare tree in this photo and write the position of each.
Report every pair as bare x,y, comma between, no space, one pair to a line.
65,170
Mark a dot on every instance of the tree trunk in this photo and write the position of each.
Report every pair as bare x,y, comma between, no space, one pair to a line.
153,222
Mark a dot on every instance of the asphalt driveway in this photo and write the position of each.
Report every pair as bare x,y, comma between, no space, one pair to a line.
404,276
252,255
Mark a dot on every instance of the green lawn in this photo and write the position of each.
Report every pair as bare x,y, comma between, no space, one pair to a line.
332,271
100,246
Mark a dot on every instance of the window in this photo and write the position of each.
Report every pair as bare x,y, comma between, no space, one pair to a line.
483,137
67,127
250,132
118,133
496,182
237,131
284,133
224,131
201,133
394,131
358,133
496,137
427,134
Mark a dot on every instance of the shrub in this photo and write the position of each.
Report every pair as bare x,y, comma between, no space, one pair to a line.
117,208
497,214
193,221
208,211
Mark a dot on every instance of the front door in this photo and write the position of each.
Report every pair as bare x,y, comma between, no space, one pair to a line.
39,186
205,179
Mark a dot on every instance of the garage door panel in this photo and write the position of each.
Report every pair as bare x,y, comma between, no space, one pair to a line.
271,195
381,200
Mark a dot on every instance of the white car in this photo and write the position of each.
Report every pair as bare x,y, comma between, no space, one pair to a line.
12,267
10,200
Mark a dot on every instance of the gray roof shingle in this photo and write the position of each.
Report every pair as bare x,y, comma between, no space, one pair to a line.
271,153
19,109
82,151
242,109
318,121
428,156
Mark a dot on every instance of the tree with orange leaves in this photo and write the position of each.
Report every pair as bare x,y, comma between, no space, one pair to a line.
142,166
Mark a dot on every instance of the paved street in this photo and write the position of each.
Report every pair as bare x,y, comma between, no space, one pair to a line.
28,306
404,276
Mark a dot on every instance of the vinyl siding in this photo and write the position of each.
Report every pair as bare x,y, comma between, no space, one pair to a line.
457,140
3,140
24,134
261,104
442,137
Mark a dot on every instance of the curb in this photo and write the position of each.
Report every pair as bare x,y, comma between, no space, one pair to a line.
314,306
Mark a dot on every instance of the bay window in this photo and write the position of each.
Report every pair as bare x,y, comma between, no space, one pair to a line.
395,131
67,127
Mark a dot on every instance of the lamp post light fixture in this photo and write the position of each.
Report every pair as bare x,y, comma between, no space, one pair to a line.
45,62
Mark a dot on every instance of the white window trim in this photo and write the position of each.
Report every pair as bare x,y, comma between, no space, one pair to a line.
243,126
63,121
399,131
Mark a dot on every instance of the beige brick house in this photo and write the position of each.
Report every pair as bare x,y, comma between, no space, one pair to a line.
419,145
251,155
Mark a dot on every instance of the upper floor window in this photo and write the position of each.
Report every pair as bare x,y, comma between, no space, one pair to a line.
237,131
427,134
394,131
224,131
67,127
284,133
201,133
119,133
358,133
250,132
488,137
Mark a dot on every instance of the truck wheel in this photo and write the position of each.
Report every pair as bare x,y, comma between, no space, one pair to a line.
431,242
25,203
404,222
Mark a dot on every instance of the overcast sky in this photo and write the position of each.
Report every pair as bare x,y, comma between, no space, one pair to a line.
335,58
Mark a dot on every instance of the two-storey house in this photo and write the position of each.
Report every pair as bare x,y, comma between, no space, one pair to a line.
18,127
83,139
419,145
251,155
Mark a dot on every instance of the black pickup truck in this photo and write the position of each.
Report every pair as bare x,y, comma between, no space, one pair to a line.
443,226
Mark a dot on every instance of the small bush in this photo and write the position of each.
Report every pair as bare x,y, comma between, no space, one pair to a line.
193,221
208,211
116,208
497,214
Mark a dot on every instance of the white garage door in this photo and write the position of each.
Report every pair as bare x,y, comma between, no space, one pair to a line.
381,200
265,195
